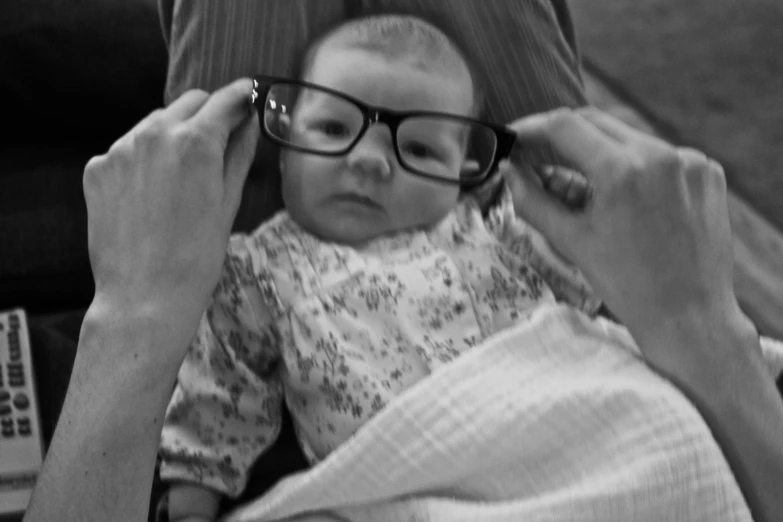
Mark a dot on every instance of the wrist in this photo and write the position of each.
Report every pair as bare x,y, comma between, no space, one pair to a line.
127,358
134,335
110,423
707,350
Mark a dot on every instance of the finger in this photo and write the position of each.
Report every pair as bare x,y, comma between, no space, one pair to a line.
240,152
578,192
559,181
617,129
545,174
569,186
534,204
691,156
184,107
586,148
226,109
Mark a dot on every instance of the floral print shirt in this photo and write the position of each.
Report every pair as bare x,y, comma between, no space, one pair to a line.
338,332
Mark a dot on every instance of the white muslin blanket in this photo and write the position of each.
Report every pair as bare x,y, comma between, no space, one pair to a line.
555,419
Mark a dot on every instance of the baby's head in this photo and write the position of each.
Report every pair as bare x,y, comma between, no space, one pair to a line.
393,62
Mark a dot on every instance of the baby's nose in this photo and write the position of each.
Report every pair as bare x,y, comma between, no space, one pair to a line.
372,156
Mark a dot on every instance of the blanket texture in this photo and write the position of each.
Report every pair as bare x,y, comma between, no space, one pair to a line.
555,419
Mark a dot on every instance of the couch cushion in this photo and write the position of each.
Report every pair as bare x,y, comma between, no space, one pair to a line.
78,71
75,77
43,229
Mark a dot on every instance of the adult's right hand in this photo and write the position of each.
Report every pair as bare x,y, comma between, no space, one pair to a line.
162,201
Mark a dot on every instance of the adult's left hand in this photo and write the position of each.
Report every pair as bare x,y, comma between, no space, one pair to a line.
653,238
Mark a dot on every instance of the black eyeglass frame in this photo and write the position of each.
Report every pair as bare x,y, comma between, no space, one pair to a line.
504,137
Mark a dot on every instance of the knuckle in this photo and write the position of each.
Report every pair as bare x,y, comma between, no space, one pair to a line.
693,154
635,165
586,111
664,161
561,118
196,94
156,115
716,174
692,159
154,125
119,145
630,180
188,136
673,163
700,169
193,141
94,163
92,172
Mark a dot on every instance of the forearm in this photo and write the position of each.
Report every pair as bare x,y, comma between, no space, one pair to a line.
738,399
101,461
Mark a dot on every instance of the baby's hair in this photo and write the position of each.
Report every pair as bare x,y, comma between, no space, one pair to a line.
399,37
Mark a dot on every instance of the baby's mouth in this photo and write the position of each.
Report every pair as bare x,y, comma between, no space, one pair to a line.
351,197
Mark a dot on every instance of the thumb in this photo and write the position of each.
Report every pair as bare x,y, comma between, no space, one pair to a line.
240,151
538,207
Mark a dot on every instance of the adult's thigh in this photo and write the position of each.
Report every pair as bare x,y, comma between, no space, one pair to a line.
523,48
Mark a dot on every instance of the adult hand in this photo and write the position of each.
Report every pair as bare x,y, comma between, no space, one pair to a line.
654,237
162,201
160,207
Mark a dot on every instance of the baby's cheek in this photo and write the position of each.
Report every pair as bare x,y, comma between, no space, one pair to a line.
427,203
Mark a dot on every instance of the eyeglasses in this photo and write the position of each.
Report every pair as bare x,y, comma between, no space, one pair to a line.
314,119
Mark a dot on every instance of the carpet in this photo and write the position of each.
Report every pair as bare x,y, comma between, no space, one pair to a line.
709,73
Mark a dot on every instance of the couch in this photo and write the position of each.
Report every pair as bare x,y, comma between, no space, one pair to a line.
75,77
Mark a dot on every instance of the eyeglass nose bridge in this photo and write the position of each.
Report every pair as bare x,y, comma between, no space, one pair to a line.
374,116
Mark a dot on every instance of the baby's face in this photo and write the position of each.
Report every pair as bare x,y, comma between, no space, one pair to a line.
354,198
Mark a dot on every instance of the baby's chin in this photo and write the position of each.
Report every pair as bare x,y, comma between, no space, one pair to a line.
346,232
357,229
350,230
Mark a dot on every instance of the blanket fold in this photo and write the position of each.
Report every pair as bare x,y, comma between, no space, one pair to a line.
555,419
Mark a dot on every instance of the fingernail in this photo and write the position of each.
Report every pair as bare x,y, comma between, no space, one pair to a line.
528,123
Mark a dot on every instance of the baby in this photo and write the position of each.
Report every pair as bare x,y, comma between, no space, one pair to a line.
382,269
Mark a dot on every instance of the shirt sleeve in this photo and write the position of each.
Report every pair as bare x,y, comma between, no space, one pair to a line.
226,407
563,278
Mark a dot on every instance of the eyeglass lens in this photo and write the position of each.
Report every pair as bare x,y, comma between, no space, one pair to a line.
321,122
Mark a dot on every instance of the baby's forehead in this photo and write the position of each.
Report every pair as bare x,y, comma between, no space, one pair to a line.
401,38
345,66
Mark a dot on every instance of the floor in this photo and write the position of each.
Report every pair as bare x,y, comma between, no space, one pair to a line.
706,72
758,246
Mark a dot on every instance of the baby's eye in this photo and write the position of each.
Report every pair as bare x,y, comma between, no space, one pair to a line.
333,128
418,150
